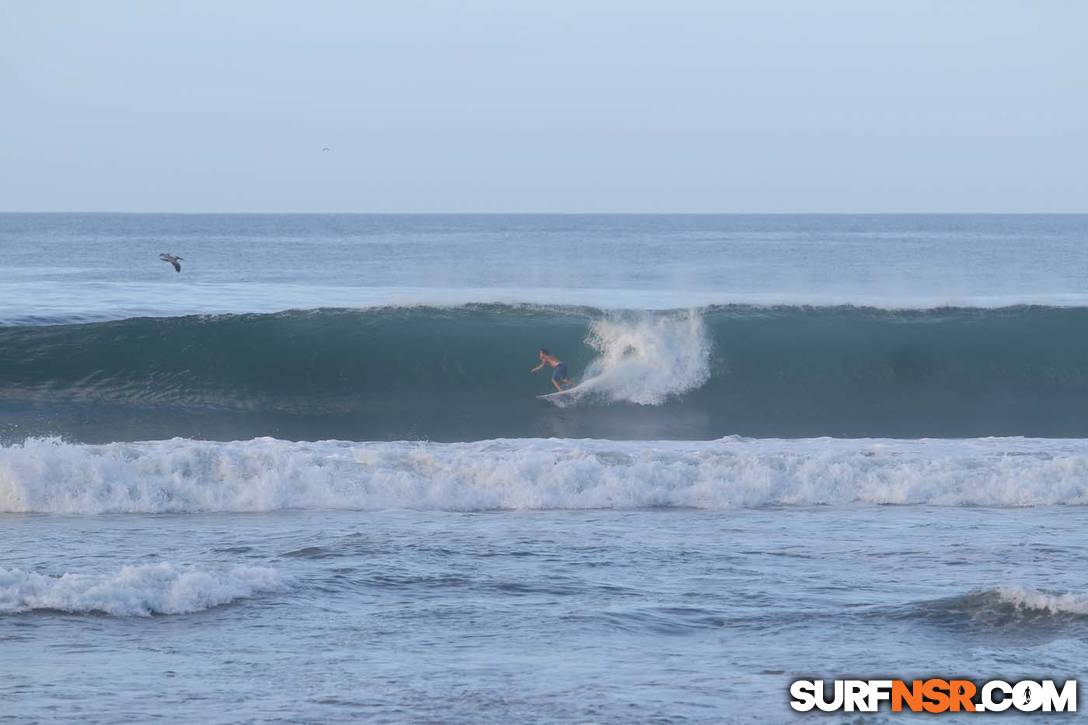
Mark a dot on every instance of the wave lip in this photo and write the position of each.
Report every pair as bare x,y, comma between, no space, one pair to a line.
265,474
61,303
135,591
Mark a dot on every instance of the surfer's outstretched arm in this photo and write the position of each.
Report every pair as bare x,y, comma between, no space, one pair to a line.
537,368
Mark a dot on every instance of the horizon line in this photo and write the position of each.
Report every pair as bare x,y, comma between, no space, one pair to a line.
556,213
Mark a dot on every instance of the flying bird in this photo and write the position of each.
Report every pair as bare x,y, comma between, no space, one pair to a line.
175,261
325,148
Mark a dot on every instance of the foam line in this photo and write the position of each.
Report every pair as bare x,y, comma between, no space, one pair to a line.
51,476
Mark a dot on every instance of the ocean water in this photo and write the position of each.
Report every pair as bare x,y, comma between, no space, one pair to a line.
309,477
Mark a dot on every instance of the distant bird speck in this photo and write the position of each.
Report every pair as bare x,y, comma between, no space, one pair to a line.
326,148
176,261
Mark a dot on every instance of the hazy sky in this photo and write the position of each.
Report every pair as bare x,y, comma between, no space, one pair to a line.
620,105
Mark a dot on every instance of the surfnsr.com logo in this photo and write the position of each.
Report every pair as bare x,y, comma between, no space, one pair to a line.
933,695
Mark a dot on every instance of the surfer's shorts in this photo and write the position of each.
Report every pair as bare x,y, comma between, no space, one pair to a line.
560,372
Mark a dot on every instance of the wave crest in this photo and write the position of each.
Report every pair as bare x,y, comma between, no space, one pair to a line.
1035,600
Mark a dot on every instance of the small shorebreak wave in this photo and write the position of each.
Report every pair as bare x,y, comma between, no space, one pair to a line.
186,476
135,591
1009,611
457,374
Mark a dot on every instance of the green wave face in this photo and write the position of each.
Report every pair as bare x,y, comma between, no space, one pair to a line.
463,374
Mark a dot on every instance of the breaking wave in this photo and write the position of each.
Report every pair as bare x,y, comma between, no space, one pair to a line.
180,476
1010,611
461,374
1035,600
134,591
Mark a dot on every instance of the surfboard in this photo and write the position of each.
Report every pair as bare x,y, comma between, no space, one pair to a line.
560,394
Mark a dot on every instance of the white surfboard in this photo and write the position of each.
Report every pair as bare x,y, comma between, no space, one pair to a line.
561,395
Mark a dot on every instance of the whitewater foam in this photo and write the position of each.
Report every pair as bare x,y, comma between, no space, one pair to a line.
1035,600
264,474
643,359
134,591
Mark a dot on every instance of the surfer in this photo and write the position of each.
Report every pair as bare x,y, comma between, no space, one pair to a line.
559,373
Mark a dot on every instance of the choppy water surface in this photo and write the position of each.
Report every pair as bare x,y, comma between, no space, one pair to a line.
587,615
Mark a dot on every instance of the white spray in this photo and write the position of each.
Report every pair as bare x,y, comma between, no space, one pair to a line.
643,359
